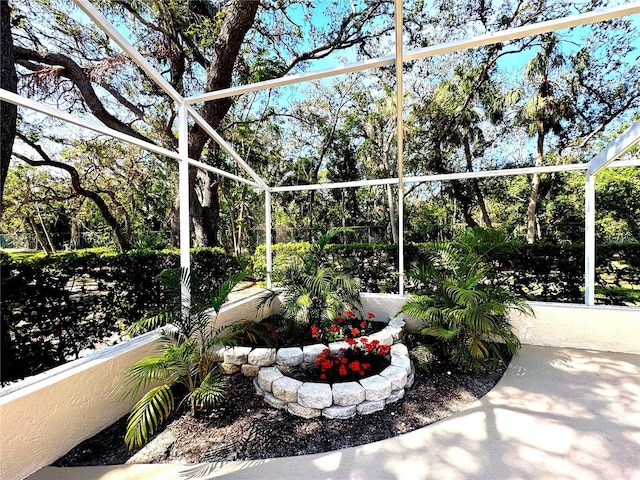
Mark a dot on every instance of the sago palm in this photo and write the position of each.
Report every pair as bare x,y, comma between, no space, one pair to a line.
185,357
466,315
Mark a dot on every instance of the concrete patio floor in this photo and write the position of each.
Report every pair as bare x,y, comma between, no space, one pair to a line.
557,413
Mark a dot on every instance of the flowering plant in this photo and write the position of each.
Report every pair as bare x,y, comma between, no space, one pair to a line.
345,325
347,364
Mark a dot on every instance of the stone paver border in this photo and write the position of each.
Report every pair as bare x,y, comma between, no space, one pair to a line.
269,367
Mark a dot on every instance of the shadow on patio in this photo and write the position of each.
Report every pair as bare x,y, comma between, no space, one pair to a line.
557,413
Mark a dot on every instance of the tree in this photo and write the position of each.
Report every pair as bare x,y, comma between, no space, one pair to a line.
117,225
373,121
8,81
449,120
618,200
320,118
201,46
544,112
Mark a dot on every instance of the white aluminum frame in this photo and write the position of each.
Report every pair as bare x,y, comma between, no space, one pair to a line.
605,159
614,150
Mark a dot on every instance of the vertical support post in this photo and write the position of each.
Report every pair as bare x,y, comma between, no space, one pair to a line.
589,239
400,141
183,186
267,235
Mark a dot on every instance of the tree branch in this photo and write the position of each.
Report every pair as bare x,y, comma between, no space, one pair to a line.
74,72
76,183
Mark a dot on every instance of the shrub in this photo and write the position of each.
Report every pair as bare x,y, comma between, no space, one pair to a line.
187,355
460,309
55,307
312,290
541,272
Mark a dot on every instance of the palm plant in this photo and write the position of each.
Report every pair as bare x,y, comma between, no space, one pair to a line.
467,316
186,355
545,111
313,291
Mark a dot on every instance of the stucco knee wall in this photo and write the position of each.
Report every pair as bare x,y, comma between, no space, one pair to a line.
601,327
43,417
64,406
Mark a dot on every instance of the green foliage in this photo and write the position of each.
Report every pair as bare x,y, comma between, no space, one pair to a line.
55,307
284,254
313,291
186,356
540,272
465,314
618,199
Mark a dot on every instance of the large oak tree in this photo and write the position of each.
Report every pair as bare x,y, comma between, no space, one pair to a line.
198,45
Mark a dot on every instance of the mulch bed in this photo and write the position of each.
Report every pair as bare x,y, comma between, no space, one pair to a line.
245,428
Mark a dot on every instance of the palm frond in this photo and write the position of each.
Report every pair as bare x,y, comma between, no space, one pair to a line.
152,409
423,308
217,299
144,372
266,298
152,323
210,392
477,349
464,296
441,332
172,280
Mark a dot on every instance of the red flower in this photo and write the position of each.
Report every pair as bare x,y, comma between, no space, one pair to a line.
340,320
350,341
323,376
370,315
375,343
355,332
334,328
349,314
315,331
364,340
342,371
370,347
355,365
383,349
363,323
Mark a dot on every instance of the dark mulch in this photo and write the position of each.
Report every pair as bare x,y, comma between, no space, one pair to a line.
245,428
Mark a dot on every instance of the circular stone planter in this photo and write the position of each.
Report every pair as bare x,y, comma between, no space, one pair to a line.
270,366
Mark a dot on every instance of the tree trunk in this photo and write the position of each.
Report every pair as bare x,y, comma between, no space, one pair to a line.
40,239
205,215
535,186
312,199
8,81
74,240
475,185
392,213
457,189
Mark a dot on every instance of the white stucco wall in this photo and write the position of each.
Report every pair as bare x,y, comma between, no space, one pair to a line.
601,327
59,408
43,417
